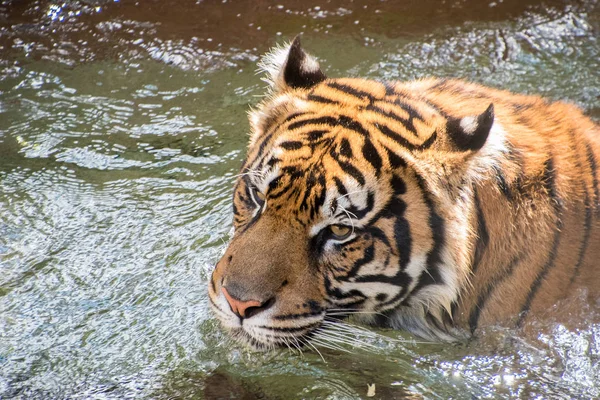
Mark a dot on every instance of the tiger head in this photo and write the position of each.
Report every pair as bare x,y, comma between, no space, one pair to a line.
346,203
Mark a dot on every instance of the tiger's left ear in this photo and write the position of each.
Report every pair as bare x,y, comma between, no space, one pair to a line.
291,67
470,133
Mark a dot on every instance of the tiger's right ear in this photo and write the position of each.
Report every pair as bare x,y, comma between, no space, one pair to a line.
290,67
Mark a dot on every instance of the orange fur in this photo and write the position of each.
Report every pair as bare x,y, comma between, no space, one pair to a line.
457,222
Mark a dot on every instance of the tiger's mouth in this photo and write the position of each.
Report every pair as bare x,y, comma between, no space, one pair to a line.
272,342
327,330
267,330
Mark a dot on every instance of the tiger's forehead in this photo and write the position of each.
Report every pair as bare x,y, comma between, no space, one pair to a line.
319,194
325,151
385,109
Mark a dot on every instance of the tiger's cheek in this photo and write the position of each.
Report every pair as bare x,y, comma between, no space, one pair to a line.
344,260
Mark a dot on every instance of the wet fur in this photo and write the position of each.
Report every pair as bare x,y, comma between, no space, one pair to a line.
469,206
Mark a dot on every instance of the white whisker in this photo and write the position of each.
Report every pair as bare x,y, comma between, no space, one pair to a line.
353,192
317,350
298,346
349,215
329,345
342,340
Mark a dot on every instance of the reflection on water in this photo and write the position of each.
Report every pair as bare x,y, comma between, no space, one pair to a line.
122,126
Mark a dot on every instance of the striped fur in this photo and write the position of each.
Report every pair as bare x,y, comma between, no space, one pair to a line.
467,206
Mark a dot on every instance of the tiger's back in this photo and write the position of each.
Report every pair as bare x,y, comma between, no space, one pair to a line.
436,206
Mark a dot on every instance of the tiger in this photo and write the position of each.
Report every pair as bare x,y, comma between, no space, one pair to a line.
435,206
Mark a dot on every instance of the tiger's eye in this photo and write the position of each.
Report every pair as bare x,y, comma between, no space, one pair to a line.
260,196
340,231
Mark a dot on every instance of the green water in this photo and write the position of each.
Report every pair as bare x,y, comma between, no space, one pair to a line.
122,125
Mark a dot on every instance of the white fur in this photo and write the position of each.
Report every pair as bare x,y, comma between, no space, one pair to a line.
489,156
273,64
469,124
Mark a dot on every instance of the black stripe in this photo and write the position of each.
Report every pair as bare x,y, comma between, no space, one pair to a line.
368,256
350,90
401,232
352,305
402,141
483,237
291,117
441,85
336,293
321,99
351,124
261,149
273,161
549,180
588,217
485,294
342,120
340,186
291,329
378,234
412,114
395,160
319,199
431,275
407,123
400,294
345,148
594,168
360,213
502,184
274,184
352,171
372,155
316,135
297,316
427,143
310,184
292,145
400,280
587,226
398,185
389,89
331,121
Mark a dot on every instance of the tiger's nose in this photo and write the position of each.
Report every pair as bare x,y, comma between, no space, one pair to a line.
246,308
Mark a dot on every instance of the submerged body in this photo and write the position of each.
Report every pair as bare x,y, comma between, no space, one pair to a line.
436,206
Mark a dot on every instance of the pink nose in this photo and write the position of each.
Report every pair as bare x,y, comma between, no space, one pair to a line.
240,307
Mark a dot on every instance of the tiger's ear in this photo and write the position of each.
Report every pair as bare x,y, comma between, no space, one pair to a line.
470,133
291,67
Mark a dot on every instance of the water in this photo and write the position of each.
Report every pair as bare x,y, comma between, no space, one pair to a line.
122,125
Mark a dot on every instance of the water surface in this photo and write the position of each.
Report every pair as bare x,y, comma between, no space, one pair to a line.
122,126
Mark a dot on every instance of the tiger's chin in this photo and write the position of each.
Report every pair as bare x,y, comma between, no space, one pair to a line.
259,334
239,335
264,343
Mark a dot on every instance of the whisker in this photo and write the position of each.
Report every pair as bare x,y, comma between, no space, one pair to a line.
350,333
297,345
341,337
348,214
356,312
329,345
341,341
372,335
353,192
317,350
350,328
253,172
